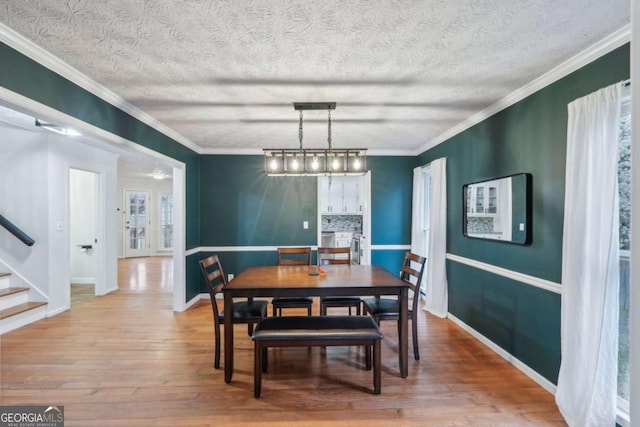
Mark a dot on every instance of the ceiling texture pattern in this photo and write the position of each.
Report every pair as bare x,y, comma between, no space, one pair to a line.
225,74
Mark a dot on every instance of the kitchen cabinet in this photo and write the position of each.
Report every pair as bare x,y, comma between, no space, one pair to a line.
341,195
330,197
482,199
351,200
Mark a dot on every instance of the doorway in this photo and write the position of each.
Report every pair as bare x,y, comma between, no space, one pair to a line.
84,253
106,249
136,224
347,200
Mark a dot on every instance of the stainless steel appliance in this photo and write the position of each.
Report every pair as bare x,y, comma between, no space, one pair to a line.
343,240
328,239
356,249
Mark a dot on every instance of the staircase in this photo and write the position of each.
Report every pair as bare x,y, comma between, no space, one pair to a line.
15,308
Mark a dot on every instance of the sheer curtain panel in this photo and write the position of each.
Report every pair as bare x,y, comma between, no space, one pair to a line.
587,389
436,300
419,216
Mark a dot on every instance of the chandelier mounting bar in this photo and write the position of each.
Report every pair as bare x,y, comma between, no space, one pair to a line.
314,106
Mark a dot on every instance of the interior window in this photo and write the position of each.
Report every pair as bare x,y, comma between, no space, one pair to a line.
166,221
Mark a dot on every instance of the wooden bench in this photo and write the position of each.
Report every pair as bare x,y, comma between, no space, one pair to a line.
307,331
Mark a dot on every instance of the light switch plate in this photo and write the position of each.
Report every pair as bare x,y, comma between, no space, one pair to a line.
521,226
305,225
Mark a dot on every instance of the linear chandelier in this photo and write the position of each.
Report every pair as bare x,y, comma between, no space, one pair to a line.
315,161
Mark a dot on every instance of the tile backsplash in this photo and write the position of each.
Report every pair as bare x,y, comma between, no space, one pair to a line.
479,224
352,223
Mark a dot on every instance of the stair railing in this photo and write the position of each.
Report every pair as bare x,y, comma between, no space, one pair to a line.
16,231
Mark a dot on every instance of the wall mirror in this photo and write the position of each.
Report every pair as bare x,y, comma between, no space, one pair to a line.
498,209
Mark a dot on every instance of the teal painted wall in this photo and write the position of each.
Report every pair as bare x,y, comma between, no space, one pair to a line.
391,259
32,80
529,136
240,206
521,204
391,193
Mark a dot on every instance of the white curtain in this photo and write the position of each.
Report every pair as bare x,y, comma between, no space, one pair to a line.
587,383
436,300
420,216
418,213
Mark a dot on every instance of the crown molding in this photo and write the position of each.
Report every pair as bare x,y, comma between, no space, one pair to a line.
232,151
260,152
90,133
28,48
388,153
595,51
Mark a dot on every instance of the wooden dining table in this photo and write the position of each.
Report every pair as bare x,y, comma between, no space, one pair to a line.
300,281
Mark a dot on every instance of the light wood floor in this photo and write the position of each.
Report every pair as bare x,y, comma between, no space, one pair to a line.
126,359
81,294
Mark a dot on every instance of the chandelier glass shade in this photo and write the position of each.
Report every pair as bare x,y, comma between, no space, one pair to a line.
315,161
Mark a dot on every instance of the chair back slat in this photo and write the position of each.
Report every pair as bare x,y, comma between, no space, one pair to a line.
294,256
328,255
411,272
408,273
213,275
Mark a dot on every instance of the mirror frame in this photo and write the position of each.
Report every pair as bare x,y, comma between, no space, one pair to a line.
527,209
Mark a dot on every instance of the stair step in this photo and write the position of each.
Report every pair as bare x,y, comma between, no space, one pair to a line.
21,308
5,280
11,296
10,291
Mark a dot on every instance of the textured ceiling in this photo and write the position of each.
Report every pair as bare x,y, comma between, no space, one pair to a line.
224,74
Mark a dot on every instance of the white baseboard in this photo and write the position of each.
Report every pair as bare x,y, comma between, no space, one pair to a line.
194,300
51,313
108,291
82,280
539,379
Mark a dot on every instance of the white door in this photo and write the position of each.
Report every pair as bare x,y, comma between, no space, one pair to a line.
136,228
83,222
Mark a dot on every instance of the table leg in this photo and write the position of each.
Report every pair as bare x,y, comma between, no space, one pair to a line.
403,327
228,337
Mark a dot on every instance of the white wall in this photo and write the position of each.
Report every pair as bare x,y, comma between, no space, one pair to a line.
23,201
82,226
154,187
65,154
34,194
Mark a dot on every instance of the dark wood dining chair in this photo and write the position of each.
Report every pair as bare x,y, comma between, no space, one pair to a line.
328,256
293,256
249,312
388,308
